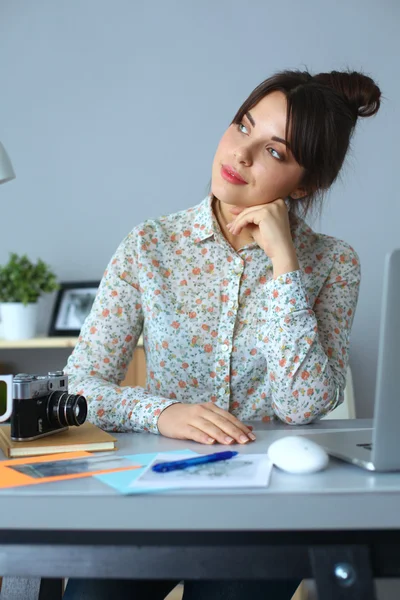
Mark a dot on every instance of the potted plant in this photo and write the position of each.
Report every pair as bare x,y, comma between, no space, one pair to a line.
21,285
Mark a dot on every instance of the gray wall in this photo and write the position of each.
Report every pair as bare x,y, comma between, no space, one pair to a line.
111,112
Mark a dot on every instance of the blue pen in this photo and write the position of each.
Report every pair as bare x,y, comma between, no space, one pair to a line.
164,467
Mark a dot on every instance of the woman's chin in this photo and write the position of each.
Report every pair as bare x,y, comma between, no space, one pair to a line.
224,192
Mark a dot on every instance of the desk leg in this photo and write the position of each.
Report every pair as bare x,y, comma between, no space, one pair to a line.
342,572
18,588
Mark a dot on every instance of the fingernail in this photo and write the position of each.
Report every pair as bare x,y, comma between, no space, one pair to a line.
210,440
228,439
244,438
252,436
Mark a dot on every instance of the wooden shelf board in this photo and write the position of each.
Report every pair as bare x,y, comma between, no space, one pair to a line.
44,342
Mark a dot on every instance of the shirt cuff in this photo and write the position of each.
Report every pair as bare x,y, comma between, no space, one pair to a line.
287,294
157,413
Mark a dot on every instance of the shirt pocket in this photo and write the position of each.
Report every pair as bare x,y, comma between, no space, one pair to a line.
176,322
253,318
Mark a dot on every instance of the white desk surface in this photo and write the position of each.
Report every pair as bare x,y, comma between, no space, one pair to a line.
341,497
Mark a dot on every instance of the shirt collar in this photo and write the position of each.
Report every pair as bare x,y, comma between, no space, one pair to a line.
206,225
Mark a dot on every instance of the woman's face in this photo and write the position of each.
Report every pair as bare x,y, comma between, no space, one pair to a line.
252,151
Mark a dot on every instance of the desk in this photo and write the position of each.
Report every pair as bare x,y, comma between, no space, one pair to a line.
299,527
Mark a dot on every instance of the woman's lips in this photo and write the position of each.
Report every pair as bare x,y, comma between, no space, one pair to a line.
229,174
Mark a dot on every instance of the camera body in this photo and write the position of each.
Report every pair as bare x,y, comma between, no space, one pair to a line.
42,406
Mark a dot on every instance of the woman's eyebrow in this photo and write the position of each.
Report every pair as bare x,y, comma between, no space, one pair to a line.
250,118
282,141
274,137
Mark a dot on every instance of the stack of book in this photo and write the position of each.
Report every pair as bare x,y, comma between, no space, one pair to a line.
88,438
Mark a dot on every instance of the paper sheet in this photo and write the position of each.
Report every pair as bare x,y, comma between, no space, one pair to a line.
121,482
60,467
242,471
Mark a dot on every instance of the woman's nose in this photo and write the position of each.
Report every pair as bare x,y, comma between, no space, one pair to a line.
243,155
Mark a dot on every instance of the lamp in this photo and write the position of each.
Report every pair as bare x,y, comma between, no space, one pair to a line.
6,168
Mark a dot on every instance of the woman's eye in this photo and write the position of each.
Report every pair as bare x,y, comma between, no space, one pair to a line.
241,127
274,153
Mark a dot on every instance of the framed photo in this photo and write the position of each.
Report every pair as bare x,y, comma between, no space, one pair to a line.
73,304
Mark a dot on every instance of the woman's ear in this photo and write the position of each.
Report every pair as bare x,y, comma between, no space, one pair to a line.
298,194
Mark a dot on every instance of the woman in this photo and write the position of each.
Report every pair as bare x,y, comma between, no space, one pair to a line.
246,313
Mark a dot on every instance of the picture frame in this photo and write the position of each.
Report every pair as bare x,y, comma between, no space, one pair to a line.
73,304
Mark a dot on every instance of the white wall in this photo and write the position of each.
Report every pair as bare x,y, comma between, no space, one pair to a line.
111,112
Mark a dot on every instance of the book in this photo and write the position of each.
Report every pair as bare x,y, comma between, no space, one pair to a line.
87,438
60,467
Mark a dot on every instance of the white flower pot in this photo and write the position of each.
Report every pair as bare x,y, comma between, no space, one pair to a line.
18,321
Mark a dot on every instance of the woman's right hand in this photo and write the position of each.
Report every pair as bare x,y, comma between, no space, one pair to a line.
203,423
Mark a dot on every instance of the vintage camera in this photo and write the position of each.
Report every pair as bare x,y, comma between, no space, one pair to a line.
42,406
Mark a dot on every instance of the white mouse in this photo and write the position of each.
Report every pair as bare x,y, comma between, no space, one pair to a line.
298,454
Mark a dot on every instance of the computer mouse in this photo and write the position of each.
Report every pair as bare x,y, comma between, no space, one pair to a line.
298,454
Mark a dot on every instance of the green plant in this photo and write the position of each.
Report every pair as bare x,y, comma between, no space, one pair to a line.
23,281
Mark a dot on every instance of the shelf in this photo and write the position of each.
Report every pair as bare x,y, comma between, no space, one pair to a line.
44,342
39,342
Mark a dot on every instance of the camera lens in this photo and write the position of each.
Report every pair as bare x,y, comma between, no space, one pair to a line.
66,409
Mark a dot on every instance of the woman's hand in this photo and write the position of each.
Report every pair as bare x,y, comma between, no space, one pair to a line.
269,225
203,423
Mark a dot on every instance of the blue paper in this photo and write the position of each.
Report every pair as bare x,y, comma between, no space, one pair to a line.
121,480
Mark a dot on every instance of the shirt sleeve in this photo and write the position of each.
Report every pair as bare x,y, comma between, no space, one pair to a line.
105,347
307,348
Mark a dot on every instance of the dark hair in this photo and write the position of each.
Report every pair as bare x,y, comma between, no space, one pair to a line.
322,111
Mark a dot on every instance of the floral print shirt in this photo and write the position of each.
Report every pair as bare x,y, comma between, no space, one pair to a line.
216,325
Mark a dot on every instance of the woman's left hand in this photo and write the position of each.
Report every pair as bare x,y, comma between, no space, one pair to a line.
269,226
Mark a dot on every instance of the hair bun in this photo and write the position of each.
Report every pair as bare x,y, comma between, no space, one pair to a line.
360,91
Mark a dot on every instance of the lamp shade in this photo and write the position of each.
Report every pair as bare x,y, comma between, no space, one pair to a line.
6,169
